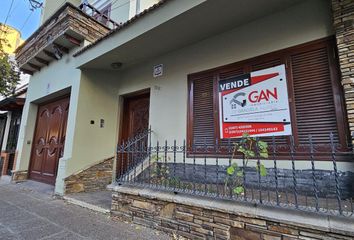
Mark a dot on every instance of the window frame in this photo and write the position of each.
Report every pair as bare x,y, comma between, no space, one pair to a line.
285,57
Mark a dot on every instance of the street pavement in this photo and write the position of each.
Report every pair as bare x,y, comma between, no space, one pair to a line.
33,213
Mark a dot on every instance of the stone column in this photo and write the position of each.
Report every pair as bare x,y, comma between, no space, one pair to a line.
343,23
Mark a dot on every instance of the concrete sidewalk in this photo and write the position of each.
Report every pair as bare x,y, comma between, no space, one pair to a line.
99,201
30,213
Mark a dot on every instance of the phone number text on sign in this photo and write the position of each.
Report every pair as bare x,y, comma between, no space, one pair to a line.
255,103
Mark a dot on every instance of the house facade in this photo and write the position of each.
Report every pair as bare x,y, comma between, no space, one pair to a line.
56,39
118,11
151,77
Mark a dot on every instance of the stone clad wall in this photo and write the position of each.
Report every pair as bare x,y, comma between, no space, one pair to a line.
93,178
187,216
18,176
69,19
343,22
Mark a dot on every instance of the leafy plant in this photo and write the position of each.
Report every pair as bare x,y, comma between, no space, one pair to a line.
250,147
160,172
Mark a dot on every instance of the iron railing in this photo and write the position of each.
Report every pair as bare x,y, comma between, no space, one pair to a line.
322,183
128,162
98,15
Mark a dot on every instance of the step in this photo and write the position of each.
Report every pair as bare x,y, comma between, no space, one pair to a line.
81,203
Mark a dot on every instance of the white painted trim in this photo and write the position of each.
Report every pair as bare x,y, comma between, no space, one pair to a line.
6,133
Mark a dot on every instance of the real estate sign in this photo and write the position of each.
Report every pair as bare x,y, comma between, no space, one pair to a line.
255,103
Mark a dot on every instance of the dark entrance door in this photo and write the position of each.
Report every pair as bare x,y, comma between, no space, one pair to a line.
135,121
49,139
12,139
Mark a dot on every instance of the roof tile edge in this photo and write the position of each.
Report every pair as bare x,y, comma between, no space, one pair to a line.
122,26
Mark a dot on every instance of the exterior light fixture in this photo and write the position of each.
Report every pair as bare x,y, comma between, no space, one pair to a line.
57,53
116,65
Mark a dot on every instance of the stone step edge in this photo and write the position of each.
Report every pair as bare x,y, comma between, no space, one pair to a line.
83,204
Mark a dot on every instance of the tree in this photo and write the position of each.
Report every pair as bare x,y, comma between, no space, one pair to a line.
9,72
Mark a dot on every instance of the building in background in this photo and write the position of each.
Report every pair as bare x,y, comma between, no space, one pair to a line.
10,120
13,39
12,36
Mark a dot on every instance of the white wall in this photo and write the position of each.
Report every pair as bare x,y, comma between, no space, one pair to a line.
6,132
51,6
119,8
57,76
97,100
92,98
137,6
299,24
123,10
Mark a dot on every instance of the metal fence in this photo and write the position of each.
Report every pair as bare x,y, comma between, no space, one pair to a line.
102,17
310,177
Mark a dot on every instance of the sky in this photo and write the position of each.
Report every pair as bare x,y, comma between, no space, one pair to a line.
21,17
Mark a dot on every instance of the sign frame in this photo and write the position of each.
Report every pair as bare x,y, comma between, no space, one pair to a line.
256,103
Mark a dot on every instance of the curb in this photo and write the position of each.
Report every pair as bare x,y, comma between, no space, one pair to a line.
83,204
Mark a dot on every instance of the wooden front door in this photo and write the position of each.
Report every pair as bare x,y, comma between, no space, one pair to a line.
135,121
49,139
135,116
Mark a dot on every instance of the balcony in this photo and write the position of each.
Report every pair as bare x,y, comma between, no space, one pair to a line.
63,31
100,16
